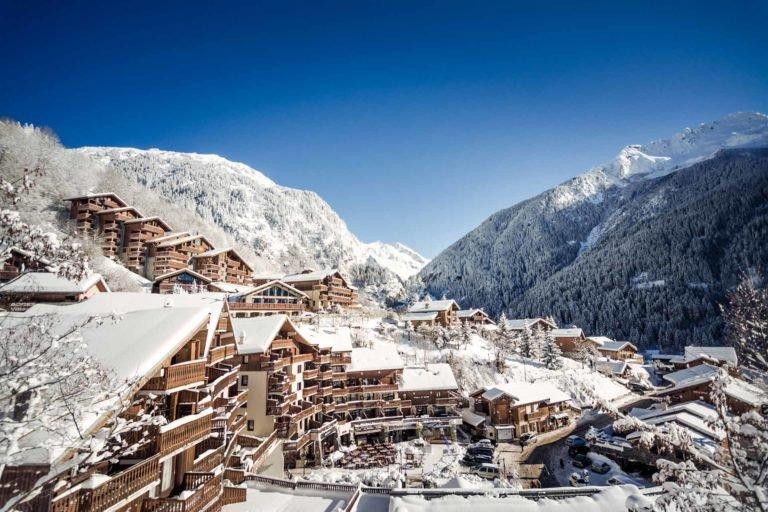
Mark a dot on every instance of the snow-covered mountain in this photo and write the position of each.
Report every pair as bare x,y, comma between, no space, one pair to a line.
527,259
286,227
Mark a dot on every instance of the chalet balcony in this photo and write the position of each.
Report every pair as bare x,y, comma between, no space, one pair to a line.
311,374
209,454
206,490
178,376
266,363
280,344
339,376
325,391
279,387
275,408
217,354
184,432
451,401
535,416
282,306
326,375
302,358
299,443
111,492
223,379
308,409
341,358
329,408
324,359
372,388
340,392
310,391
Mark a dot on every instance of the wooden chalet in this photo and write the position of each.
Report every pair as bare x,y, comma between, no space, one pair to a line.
136,234
519,324
310,386
324,288
506,411
273,297
176,253
474,316
18,261
569,340
46,287
84,208
695,383
108,225
619,351
222,265
432,312
181,281
179,358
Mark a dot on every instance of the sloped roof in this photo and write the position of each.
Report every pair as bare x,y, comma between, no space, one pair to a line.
168,236
615,346
118,210
692,376
97,195
338,339
231,288
380,356
315,275
518,324
571,332
436,376
523,393
254,335
275,282
600,340
423,316
614,367
177,241
472,418
433,305
725,354
469,313
49,282
150,219
189,271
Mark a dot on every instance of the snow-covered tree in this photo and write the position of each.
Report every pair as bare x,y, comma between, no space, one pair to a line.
746,316
588,355
465,334
525,342
551,355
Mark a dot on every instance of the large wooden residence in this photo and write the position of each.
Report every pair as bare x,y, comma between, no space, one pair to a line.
18,261
474,317
223,265
83,209
108,225
46,287
507,411
324,288
569,340
181,281
175,254
619,351
272,297
310,386
136,233
432,312
177,359
695,383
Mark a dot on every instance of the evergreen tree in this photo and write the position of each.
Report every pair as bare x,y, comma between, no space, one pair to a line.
525,342
465,335
551,354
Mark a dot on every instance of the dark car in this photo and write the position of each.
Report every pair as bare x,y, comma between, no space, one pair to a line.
575,441
480,450
581,461
600,467
573,451
638,387
474,460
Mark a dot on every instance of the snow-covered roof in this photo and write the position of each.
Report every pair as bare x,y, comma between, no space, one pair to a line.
692,376
572,332
615,346
600,340
183,271
725,354
422,316
232,288
380,356
526,392
436,376
254,335
169,236
118,210
182,240
614,367
49,282
472,418
96,195
518,324
122,302
338,339
268,276
469,313
150,219
735,388
694,416
746,392
274,282
212,252
315,275
433,305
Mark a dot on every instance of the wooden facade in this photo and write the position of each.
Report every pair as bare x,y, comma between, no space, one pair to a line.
222,265
181,465
569,340
475,317
273,297
108,225
618,350
136,234
324,289
17,262
32,288
84,208
184,280
176,254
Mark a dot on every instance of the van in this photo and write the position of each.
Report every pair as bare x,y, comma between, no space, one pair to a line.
487,471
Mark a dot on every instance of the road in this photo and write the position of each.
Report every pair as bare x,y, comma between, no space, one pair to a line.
550,453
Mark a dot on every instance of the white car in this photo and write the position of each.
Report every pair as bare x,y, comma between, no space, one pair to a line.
490,471
577,480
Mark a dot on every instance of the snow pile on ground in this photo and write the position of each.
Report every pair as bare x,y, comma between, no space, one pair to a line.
447,467
380,477
612,499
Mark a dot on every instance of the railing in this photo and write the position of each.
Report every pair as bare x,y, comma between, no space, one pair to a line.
111,492
236,476
178,375
184,431
299,443
311,374
210,460
310,391
339,376
233,495
282,344
224,381
197,501
326,375
325,391
341,358
372,388
263,448
302,358
252,306
324,359
541,413
217,354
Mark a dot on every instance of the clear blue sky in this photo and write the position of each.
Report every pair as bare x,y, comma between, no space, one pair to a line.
414,120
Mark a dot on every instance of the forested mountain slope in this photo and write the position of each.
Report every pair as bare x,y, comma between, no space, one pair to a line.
522,259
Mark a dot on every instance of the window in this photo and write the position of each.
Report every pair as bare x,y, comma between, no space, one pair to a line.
243,380
298,386
249,426
298,369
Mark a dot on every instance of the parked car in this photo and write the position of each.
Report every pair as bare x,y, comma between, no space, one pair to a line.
600,467
581,461
480,450
575,440
487,471
577,480
578,450
619,480
639,387
487,442
527,438
474,460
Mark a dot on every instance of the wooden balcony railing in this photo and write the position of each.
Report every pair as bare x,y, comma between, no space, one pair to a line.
341,358
281,344
201,498
302,358
177,376
254,306
233,495
372,388
310,391
339,376
224,381
112,491
311,374
217,354
184,431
